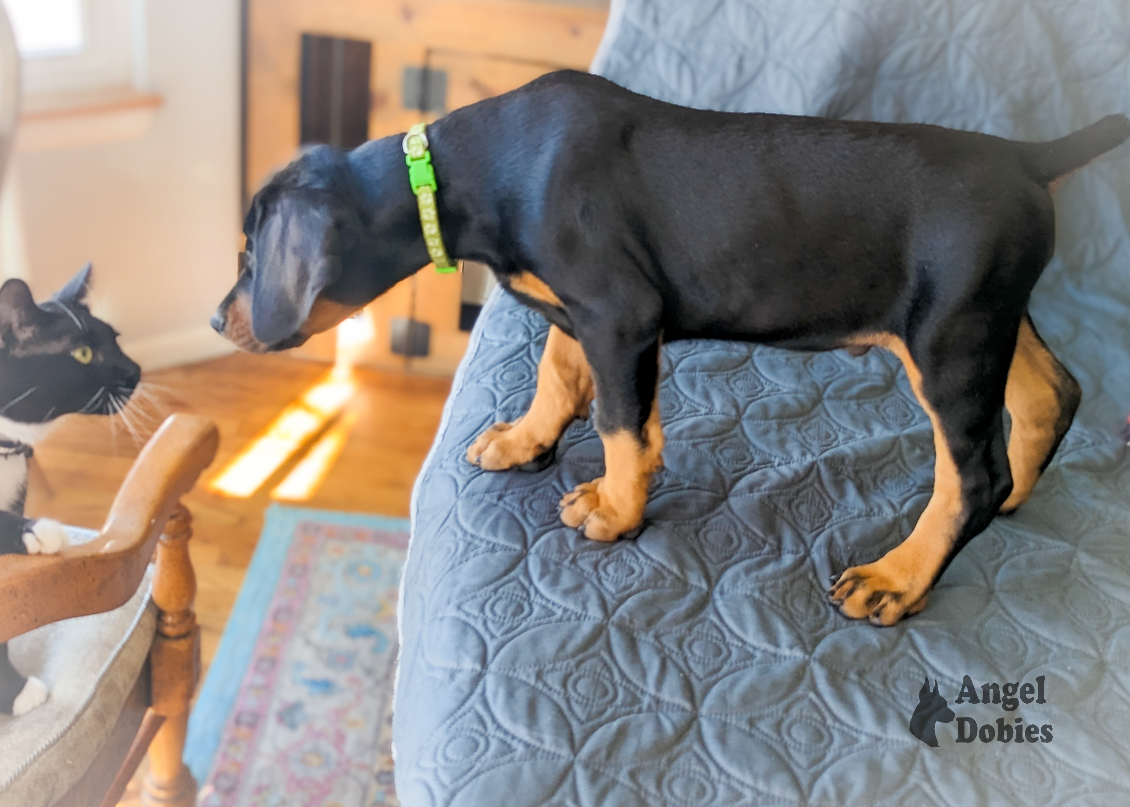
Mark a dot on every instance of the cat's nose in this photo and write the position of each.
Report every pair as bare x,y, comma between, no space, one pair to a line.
219,321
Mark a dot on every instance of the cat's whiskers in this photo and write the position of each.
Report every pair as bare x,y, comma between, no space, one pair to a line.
128,420
125,420
148,406
17,399
153,386
71,314
119,410
114,422
165,397
92,404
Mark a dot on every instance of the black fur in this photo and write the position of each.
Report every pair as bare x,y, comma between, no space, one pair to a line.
657,222
11,682
41,379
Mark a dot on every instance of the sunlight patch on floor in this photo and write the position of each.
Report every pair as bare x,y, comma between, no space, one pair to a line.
307,476
297,425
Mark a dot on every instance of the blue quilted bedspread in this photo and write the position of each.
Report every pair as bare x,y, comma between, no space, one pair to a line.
699,664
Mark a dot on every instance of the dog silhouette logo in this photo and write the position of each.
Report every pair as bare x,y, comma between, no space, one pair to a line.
932,709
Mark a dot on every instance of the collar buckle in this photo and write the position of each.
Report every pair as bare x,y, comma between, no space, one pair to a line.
415,142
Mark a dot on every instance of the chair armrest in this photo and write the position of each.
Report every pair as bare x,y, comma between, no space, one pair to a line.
102,575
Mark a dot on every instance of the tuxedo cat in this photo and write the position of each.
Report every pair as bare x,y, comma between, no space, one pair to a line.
56,358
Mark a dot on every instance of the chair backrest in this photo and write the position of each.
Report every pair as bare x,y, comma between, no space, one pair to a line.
101,575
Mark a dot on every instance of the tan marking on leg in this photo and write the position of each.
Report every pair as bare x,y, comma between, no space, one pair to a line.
896,585
531,286
1034,406
564,392
613,505
1057,183
325,314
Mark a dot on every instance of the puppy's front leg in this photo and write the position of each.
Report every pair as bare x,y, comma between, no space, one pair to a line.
627,420
564,392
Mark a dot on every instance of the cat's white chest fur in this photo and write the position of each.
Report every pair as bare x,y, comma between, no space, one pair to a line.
26,433
13,465
13,480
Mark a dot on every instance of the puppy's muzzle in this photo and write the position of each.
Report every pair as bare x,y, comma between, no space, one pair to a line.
233,322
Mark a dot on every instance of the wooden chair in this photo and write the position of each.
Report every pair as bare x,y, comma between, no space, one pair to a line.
104,577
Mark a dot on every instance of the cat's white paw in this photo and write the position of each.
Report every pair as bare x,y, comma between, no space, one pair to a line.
34,694
46,537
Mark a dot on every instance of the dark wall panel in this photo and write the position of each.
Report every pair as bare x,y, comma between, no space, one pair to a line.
334,105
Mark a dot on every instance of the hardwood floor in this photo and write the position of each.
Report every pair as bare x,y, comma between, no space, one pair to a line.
85,459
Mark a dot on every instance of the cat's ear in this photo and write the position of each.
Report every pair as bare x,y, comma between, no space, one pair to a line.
18,313
77,288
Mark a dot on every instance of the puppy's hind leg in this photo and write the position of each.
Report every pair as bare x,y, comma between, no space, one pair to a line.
564,392
971,479
1041,398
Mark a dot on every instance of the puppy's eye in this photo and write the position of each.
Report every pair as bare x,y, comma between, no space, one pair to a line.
83,354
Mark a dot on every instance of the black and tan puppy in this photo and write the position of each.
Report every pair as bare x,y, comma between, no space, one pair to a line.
627,221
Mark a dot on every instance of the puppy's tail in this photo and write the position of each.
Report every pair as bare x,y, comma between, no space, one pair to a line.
1057,158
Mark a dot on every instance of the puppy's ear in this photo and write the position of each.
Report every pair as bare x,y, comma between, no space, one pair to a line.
294,259
19,314
77,288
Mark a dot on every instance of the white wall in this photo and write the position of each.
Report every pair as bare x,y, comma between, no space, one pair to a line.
159,216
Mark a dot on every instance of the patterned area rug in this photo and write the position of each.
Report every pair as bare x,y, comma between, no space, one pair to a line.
297,706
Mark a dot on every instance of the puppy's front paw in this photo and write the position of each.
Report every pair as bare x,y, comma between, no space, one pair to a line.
46,537
506,445
33,694
872,593
586,509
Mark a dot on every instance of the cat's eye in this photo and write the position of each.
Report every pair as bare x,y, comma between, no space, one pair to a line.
83,354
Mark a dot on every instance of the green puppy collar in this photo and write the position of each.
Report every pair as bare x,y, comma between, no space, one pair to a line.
423,179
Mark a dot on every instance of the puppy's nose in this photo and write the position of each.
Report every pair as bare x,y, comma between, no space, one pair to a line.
218,323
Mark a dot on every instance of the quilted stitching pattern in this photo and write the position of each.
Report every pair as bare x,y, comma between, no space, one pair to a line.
698,664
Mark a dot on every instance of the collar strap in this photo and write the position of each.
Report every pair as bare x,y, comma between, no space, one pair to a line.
9,448
423,179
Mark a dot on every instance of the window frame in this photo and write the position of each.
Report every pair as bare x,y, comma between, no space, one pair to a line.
112,56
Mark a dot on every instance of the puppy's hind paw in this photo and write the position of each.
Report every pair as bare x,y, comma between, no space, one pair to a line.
871,592
46,537
33,694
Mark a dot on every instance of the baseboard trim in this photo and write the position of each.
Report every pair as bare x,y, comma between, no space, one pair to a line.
179,347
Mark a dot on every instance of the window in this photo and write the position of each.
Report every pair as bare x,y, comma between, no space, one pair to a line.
75,46
47,27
